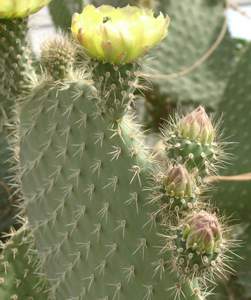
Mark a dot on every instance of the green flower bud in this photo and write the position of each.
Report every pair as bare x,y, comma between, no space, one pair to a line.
118,35
197,126
10,9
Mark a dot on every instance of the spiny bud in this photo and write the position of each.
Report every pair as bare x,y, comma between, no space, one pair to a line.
118,35
199,246
178,182
10,9
57,56
191,140
197,126
202,233
177,192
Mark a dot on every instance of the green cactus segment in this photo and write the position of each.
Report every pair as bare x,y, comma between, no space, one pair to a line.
194,154
83,182
14,63
199,25
115,86
7,199
14,67
62,11
17,267
234,196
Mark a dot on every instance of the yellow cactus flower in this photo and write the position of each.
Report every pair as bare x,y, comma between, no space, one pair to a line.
118,35
10,9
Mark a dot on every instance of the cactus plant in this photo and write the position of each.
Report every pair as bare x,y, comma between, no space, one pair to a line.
107,219
234,195
85,171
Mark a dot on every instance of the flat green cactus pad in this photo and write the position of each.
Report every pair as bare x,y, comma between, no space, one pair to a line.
83,183
193,30
17,267
233,197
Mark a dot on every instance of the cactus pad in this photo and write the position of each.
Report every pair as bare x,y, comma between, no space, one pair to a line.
234,196
194,29
17,270
83,180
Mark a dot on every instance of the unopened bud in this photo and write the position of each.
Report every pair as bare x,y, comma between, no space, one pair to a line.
202,232
197,126
179,183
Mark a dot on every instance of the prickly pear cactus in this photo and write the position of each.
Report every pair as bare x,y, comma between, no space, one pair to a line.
86,173
86,205
17,270
200,24
109,218
234,195
15,71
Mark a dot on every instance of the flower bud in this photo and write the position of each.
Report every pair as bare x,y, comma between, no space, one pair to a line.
10,9
57,56
197,126
118,35
202,233
179,183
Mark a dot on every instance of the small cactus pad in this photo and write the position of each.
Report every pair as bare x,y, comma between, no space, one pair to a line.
17,270
58,56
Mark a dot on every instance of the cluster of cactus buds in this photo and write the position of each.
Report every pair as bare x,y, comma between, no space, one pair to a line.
196,237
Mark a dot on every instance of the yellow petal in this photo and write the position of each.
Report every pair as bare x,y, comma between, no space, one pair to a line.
118,35
20,8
